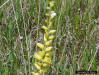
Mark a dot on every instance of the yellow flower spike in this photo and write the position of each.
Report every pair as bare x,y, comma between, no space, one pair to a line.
41,53
52,3
52,31
48,48
51,37
35,73
37,56
38,65
40,45
44,27
48,43
49,54
44,56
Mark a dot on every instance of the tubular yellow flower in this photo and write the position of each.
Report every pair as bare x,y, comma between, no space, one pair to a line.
41,53
51,37
40,45
38,65
48,49
46,65
37,56
52,31
47,60
48,43
49,54
44,27
35,73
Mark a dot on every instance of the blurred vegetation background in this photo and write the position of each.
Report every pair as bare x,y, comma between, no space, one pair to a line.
77,39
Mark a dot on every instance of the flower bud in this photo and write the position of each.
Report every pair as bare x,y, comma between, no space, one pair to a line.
51,17
44,27
51,37
45,39
46,21
47,14
52,31
50,24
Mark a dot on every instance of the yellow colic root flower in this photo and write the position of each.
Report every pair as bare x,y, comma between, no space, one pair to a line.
44,55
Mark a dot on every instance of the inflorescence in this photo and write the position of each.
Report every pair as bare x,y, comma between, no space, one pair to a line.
43,56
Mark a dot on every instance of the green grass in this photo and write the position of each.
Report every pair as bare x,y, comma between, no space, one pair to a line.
75,45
